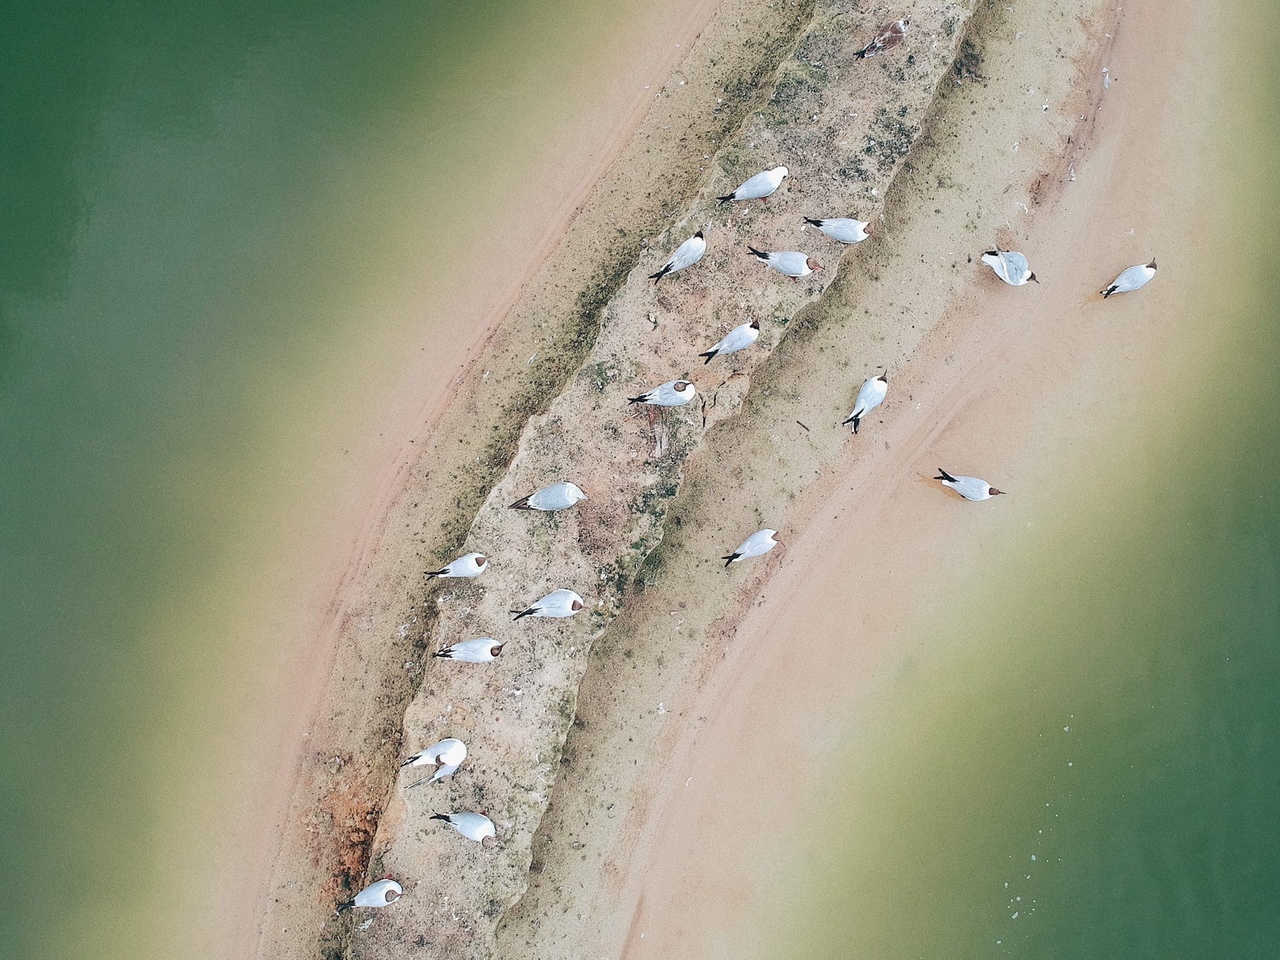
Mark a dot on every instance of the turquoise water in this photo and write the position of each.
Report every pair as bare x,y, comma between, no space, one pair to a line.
209,207
1090,765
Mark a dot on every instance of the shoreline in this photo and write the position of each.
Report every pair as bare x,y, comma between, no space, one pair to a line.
704,806
612,880
397,538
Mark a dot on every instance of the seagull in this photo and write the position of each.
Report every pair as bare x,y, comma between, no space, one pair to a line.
844,229
759,187
760,542
446,756
473,826
558,603
673,393
890,35
792,264
686,255
558,496
479,650
739,338
471,565
377,894
1131,279
971,488
1009,266
870,396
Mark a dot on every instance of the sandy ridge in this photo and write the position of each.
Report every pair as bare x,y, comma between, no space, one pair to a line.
839,142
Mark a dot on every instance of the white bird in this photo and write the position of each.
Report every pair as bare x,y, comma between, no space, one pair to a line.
473,826
377,894
557,603
479,650
471,565
760,542
1131,279
446,756
1010,267
758,187
788,262
686,255
558,496
673,393
870,396
971,488
739,338
890,35
844,229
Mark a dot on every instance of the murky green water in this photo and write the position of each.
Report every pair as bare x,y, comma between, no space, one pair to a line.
214,214
1090,767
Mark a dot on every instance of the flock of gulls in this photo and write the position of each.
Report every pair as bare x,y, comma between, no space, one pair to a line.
443,759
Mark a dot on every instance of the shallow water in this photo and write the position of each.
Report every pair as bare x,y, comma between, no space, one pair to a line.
1089,765
225,220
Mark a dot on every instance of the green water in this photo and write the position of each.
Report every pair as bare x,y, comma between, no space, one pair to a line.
207,208
1090,765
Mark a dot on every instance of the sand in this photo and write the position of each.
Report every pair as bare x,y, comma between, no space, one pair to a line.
449,422
744,707
651,801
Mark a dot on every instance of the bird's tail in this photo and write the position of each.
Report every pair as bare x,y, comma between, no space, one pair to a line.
521,613
639,399
443,654
854,418
862,54
816,223
709,354
1108,292
759,253
344,907
943,475
440,816
521,504
431,779
729,559
655,277
436,573
407,762
725,199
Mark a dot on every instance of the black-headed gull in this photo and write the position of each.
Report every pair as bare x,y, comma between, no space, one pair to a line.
445,756
380,893
760,542
479,650
739,338
971,488
1009,266
844,229
759,187
470,565
557,603
870,396
673,393
558,496
889,36
1131,279
473,826
789,263
686,255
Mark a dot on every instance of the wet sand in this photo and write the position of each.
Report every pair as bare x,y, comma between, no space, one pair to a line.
656,794
450,408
